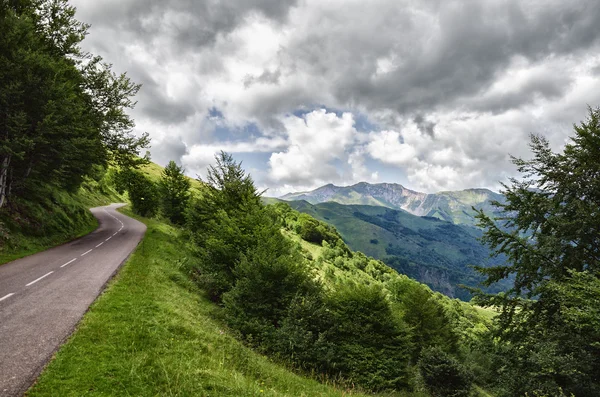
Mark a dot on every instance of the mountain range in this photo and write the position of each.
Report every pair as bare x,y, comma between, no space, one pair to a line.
451,206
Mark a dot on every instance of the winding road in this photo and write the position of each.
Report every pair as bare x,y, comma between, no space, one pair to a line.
43,296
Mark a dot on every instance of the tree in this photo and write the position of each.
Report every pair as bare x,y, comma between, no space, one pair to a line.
426,317
143,193
269,277
62,111
550,235
174,189
370,346
443,375
222,222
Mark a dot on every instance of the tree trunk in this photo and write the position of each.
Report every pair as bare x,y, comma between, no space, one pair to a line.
4,180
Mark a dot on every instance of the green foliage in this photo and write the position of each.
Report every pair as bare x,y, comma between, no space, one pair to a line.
62,111
550,236
314,231
269,277
143,193
222,223
443,375
174,188
427,318
370,345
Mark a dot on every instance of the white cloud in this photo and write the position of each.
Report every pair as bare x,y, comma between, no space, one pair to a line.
314,142
449,87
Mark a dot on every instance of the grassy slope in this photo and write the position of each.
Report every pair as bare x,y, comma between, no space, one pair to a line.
432,251
154,172
331,274
59,217
151,333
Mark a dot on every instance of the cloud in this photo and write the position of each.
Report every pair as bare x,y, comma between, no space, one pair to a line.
447,88
315,142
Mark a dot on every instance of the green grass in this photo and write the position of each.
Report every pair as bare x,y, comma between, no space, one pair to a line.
431,251
54,218
152,333
154,172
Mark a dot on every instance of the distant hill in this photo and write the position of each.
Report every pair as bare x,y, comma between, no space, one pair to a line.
451,206
427,249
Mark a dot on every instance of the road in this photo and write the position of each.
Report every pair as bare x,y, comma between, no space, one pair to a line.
43,296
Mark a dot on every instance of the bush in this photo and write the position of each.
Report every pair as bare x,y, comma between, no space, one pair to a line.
268,278
143,193
371,347
443,375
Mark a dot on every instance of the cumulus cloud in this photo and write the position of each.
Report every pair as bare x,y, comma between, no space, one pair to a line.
314,142
449,88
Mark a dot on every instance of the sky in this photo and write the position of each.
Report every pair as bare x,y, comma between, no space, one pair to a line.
432,94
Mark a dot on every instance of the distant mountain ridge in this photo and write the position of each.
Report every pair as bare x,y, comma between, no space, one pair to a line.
451,206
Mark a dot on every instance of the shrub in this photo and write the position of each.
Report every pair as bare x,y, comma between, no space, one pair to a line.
443,375
371,347
268,278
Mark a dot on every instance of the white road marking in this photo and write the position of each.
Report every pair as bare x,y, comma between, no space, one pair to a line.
121,228
6,296
71,261
38,279
87,252
100,244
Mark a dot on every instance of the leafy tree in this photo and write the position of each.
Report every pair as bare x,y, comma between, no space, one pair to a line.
443,375
222,224
174,189
268,278
313,231
551,238
370,345
426,317
62,111
143,193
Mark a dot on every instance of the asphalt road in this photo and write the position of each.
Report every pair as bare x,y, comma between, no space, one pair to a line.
43,296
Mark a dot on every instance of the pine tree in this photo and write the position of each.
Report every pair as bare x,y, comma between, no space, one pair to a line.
174,189
551,236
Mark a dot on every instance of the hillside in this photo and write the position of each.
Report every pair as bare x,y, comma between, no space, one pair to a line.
451,206
154,172
153,333
33,224
427,249
55,216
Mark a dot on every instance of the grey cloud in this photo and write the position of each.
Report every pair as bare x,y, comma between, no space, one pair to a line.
424,125
155,103
267,77
167,149
457,50
197,23
392,60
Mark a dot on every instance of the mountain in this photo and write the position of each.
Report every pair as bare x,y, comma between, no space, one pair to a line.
432,251
451,206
